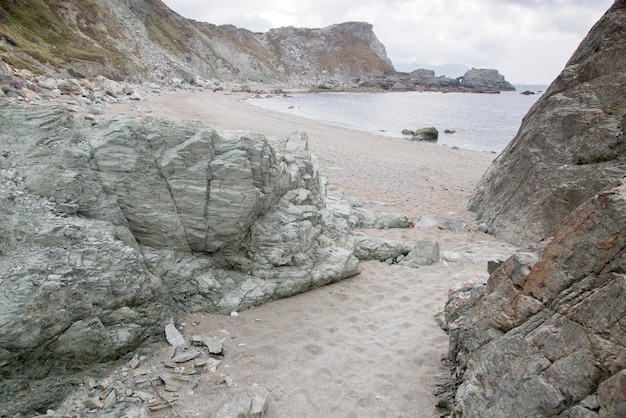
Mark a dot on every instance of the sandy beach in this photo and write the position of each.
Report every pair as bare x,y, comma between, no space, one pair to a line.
368,346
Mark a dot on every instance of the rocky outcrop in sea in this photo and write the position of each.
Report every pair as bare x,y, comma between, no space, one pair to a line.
545,335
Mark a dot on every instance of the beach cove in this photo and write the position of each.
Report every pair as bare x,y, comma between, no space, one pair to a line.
365,346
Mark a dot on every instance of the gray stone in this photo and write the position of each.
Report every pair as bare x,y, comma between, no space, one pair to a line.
372,248
176,382
485,79
423,253
250,403
173,336
543,336
425,134
440,222
186,356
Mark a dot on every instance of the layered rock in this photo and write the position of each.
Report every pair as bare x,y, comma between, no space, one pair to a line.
570,144
146,41
545,336
111,230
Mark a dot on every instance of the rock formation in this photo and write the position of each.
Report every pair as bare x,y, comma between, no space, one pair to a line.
486,79
110,230
570,144
144,41
474,80
545,336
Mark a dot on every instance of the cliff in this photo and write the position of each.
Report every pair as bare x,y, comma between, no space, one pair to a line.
545,335
145,41
570,144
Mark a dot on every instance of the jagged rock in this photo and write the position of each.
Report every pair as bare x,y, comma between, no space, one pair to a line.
214,344
70,87
368,219
423,253
164,217
545,336
250,403
570,144
175,382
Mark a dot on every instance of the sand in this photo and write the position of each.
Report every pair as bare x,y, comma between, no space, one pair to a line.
368,346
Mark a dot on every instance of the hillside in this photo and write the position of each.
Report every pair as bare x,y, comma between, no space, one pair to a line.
144,41
147,41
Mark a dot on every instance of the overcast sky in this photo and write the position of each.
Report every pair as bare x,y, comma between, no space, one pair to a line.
528,41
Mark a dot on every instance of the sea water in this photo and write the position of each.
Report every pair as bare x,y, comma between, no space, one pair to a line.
481,122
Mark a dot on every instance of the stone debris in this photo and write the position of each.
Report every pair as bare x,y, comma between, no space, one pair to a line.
173,336
250,403
214,344
175,382
186,356
139,388
226,380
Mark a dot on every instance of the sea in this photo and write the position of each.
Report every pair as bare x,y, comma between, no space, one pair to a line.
479,121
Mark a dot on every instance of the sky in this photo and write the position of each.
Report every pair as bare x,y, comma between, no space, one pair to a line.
527,41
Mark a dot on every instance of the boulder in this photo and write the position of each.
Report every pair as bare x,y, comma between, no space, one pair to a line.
423,253
570,144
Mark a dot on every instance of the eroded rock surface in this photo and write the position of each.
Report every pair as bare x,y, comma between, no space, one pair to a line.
570,144
110,230
546,335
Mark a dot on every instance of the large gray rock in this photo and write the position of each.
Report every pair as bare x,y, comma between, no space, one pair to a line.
570,144
109,231
546,335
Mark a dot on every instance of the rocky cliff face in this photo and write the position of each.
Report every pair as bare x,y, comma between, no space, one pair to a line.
139,41
545,336
570,144
145,40
110,230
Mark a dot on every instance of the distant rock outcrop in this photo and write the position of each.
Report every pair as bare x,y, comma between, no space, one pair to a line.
570,145
480,80
110,230
483,78
546,335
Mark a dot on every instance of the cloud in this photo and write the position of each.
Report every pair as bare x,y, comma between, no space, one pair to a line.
526,40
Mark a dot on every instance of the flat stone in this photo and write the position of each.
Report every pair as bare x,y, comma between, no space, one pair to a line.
173,336
186,356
